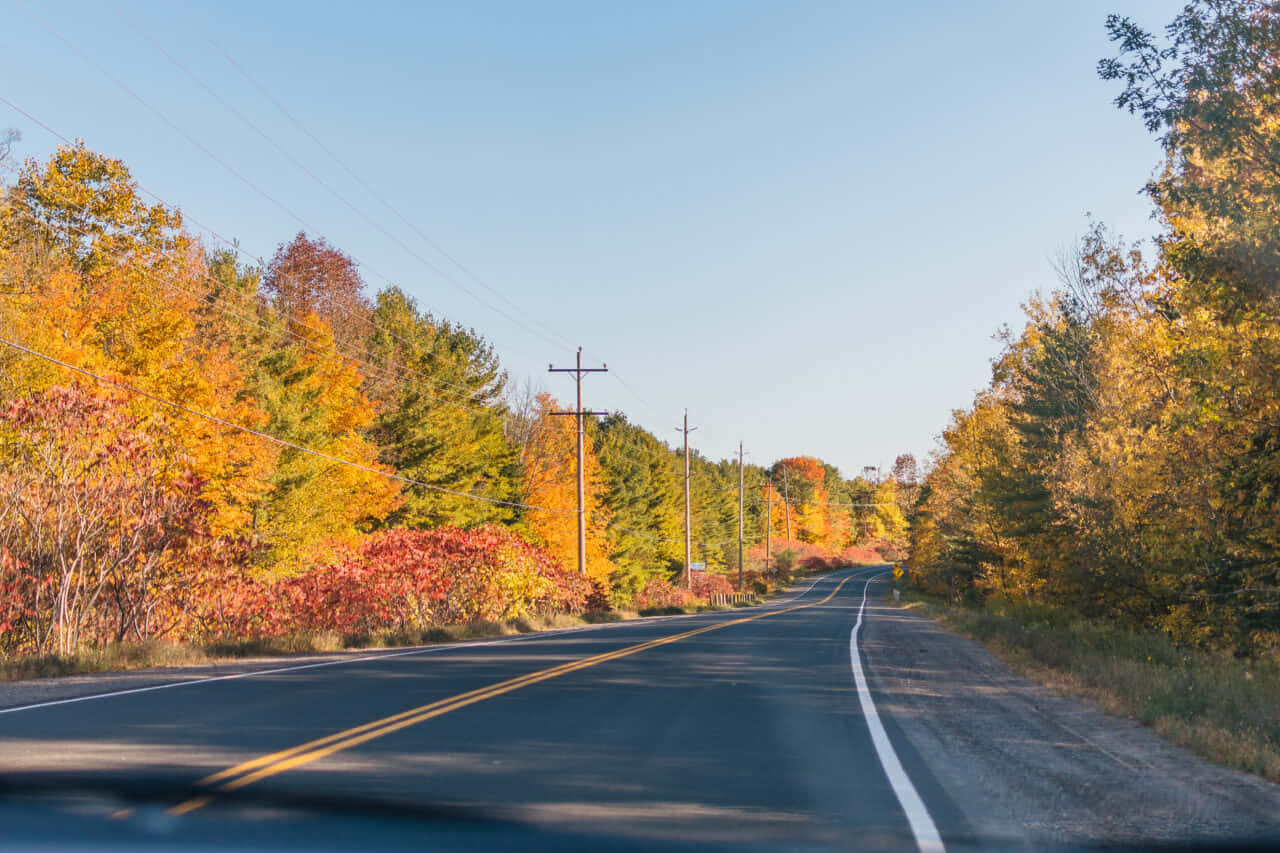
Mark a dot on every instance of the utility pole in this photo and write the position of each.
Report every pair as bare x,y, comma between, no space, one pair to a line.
786,501
582,476
739,516
768,523
688,515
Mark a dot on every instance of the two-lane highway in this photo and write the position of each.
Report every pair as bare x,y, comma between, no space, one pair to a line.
741,727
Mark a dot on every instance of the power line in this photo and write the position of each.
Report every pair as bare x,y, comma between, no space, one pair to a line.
311,451
553,336
236,248
233,246
375,371
231,169
267,436
370,190
235,172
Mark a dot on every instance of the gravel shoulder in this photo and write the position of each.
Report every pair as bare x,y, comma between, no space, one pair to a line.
1023,765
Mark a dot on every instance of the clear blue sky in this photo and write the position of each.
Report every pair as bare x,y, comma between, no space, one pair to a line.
802,221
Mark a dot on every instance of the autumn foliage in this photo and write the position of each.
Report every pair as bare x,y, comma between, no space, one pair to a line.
210,449
1125,460
399,580
93,522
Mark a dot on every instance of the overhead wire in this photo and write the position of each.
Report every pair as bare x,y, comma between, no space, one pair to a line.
267,436
102,70
375,371
342,164
391,475
430,381
204,149
370,369
231,243
284,152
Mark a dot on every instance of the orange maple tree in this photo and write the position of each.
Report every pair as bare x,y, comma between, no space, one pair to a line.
549,468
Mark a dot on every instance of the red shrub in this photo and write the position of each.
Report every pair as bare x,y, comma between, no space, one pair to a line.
815,563
397,580
659,592
705,583
854,556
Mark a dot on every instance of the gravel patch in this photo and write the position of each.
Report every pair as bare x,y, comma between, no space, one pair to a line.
1029,766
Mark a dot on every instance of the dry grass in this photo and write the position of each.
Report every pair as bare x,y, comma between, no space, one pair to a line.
1221,707
158,653
111,658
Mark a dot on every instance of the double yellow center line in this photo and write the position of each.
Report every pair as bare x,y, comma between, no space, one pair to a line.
275,763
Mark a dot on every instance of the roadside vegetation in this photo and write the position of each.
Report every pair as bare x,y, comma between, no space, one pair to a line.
1125,460
199,448
661,599
1106,515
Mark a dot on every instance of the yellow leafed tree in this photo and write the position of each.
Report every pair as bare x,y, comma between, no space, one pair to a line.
549,466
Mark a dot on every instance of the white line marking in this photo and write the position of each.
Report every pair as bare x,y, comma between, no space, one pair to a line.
231,677
414,651
922,826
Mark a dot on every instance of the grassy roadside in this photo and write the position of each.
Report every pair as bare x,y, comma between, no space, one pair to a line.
1220,707
163,653
151,654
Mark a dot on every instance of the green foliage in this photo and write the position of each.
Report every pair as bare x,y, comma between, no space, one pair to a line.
645,500
440,417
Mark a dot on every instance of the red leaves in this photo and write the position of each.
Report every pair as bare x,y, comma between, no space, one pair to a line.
400,580
805,466
309,276
706,583
659,592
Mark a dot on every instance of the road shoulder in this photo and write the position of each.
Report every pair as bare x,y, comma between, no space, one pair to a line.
1029,766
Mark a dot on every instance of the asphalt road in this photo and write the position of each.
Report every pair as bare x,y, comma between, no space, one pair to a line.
736,729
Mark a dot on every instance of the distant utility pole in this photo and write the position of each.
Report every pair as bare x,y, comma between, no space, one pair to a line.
582,476
786,500
739,516
688,515
768,523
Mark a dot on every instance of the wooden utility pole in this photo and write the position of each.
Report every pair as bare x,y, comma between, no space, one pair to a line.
768,523
582,475
786,500
688,515
739,516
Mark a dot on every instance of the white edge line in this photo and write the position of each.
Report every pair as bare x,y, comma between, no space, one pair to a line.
922,827
250,674
414,651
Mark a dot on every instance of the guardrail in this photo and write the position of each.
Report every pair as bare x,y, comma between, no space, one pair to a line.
721,599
